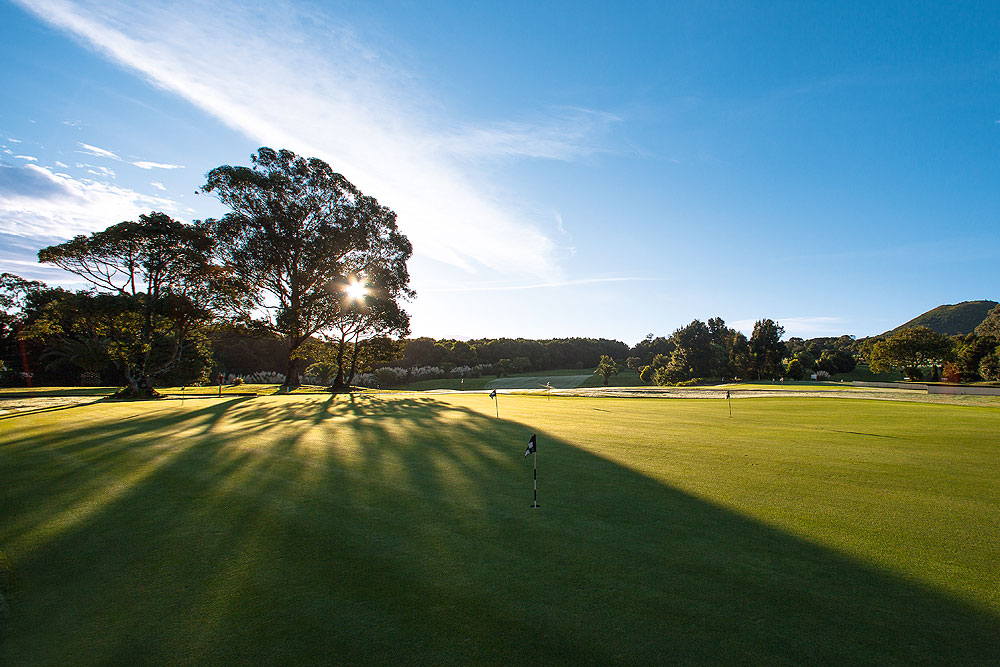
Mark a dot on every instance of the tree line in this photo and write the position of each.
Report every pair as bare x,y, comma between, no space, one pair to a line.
302,256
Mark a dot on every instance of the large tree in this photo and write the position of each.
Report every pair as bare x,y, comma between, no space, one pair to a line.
908,349
155,283
299,235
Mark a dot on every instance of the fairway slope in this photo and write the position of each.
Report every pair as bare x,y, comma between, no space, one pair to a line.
379,529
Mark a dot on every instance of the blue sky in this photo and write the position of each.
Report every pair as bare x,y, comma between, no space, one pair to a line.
566,169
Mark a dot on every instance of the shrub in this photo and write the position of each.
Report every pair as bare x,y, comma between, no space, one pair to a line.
90,379
913,373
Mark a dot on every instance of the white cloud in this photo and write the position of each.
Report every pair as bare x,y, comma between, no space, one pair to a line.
99,152
158,186
13,141
316,89
142,164
34,201
29,158
62,164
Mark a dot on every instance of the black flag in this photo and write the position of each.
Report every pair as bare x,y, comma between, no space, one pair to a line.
727,393
532,446
493,394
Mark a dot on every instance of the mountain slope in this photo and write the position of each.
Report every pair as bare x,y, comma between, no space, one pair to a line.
952,319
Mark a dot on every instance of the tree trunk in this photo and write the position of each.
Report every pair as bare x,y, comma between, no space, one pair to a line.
354,359
292,380
339,382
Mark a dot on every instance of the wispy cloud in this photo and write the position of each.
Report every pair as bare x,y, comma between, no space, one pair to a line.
143,164
158,185
35,201
318,89
29,158
533,286
99,152
13,141
565,134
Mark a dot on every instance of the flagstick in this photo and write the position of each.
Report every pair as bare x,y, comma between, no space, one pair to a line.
534,462
730,404
496,400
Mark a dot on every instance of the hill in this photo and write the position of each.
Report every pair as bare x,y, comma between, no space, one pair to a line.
952,319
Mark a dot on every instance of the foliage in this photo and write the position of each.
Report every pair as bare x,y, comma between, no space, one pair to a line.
836,361
908,349
646,374
989,367
154,283
298,235
794,370
606,368
766,349
323,370
990,326
970,351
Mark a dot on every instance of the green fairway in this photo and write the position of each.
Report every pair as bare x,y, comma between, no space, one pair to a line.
395,529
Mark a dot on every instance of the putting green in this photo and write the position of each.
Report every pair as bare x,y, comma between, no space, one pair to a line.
388,529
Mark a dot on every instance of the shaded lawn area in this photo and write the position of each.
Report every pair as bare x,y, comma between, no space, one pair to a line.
312,529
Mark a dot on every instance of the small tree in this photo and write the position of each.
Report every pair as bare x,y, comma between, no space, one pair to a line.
633,364
646,374
794,370
606,368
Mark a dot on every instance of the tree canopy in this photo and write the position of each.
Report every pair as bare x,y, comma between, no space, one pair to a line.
153,283
298,235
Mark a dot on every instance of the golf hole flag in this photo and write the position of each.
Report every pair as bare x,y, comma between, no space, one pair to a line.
493,395
533,449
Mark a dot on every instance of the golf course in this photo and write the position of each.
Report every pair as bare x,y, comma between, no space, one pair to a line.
394,528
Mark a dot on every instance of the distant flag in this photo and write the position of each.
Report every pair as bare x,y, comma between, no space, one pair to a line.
532,446
533,449
730,403
493,395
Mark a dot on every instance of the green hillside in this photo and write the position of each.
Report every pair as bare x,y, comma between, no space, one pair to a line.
953,319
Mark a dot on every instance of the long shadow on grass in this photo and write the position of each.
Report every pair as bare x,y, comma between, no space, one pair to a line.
397,530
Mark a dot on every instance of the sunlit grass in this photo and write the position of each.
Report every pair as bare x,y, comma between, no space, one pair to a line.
395,528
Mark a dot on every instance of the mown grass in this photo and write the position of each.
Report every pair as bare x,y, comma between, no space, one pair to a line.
396,529
532,380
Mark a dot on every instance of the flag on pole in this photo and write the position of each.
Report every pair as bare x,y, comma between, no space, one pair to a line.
493,394
532,446
727,394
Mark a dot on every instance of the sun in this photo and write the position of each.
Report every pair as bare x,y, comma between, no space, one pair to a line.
356,291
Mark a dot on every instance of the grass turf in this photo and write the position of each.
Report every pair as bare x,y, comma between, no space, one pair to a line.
388,529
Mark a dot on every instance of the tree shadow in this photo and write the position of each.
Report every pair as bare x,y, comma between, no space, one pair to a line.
367,529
